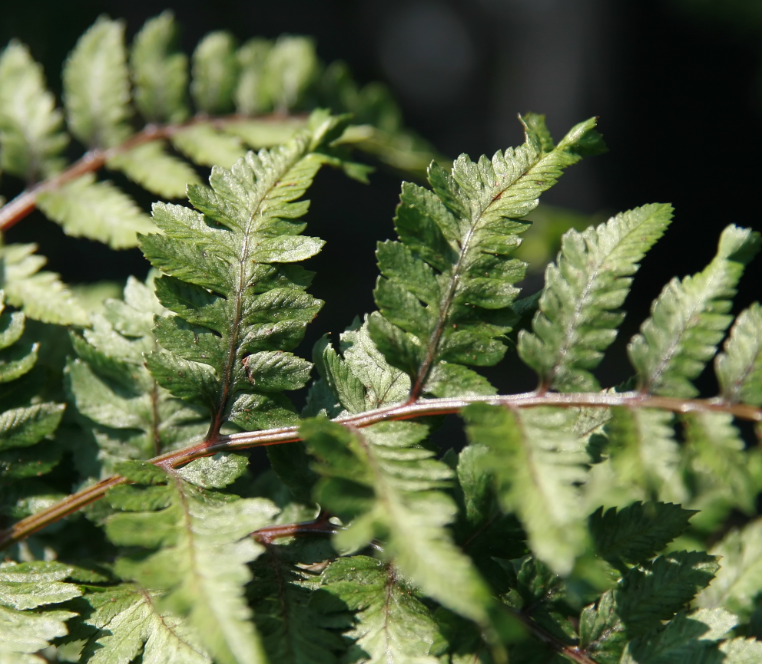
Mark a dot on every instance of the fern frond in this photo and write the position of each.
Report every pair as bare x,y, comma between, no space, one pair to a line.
206,146
294,628
579,310
689,319
538,466
383,484
644,597
240,304
290,68
40,295
215,73
130,416
27,624
31,140
250,95
445,292
154,169
637,532
739,581
96,210
739,366
160,74
130,624
200,568
97,86
391,623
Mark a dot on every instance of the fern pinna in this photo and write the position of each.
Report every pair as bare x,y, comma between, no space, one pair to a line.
579,524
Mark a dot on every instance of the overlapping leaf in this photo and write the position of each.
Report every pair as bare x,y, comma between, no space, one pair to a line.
384,484
27,591
240,301
689,319
446,288
31,139
202,537
579,311
739,366
538,465
130,416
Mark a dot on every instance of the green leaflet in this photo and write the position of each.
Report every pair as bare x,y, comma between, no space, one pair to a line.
31,140
391,624
739,580
388,486
206,146
160,74
215,73
97,86
293,627
580,306
644,454
24,588
250,95
637,532
22,455
291,66
130,416
643,598
154,169
200,567
689,319
41,295
96,210
446,288
129,623
739,366
538,465
240,301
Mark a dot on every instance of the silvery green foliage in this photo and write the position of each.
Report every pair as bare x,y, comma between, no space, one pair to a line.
572,525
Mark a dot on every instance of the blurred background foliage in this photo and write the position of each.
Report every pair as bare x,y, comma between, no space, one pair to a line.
676,83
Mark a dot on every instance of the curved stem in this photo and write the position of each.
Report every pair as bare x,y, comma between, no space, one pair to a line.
93,160
404,411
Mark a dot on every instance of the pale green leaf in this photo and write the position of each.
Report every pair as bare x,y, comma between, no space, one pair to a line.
250,96
96,210
579,310
204,145
97,86
215,73
154,169
159,72
31,140
739,366
689,319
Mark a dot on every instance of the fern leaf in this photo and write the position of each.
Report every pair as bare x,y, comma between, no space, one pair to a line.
538,467
97,86
159,72
31,140
391,624
741,651
584,290
41,295
294,629
155,170
201,567
206,146
684,640
644,453
739,367
643,598
240,303
739,580
689,319
129,623
446,288
215,73
23,588
387,485
250,95
718,464
131,417
265,132
637,532
96,210
291,66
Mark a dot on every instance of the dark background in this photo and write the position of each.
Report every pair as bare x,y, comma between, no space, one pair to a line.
676,87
